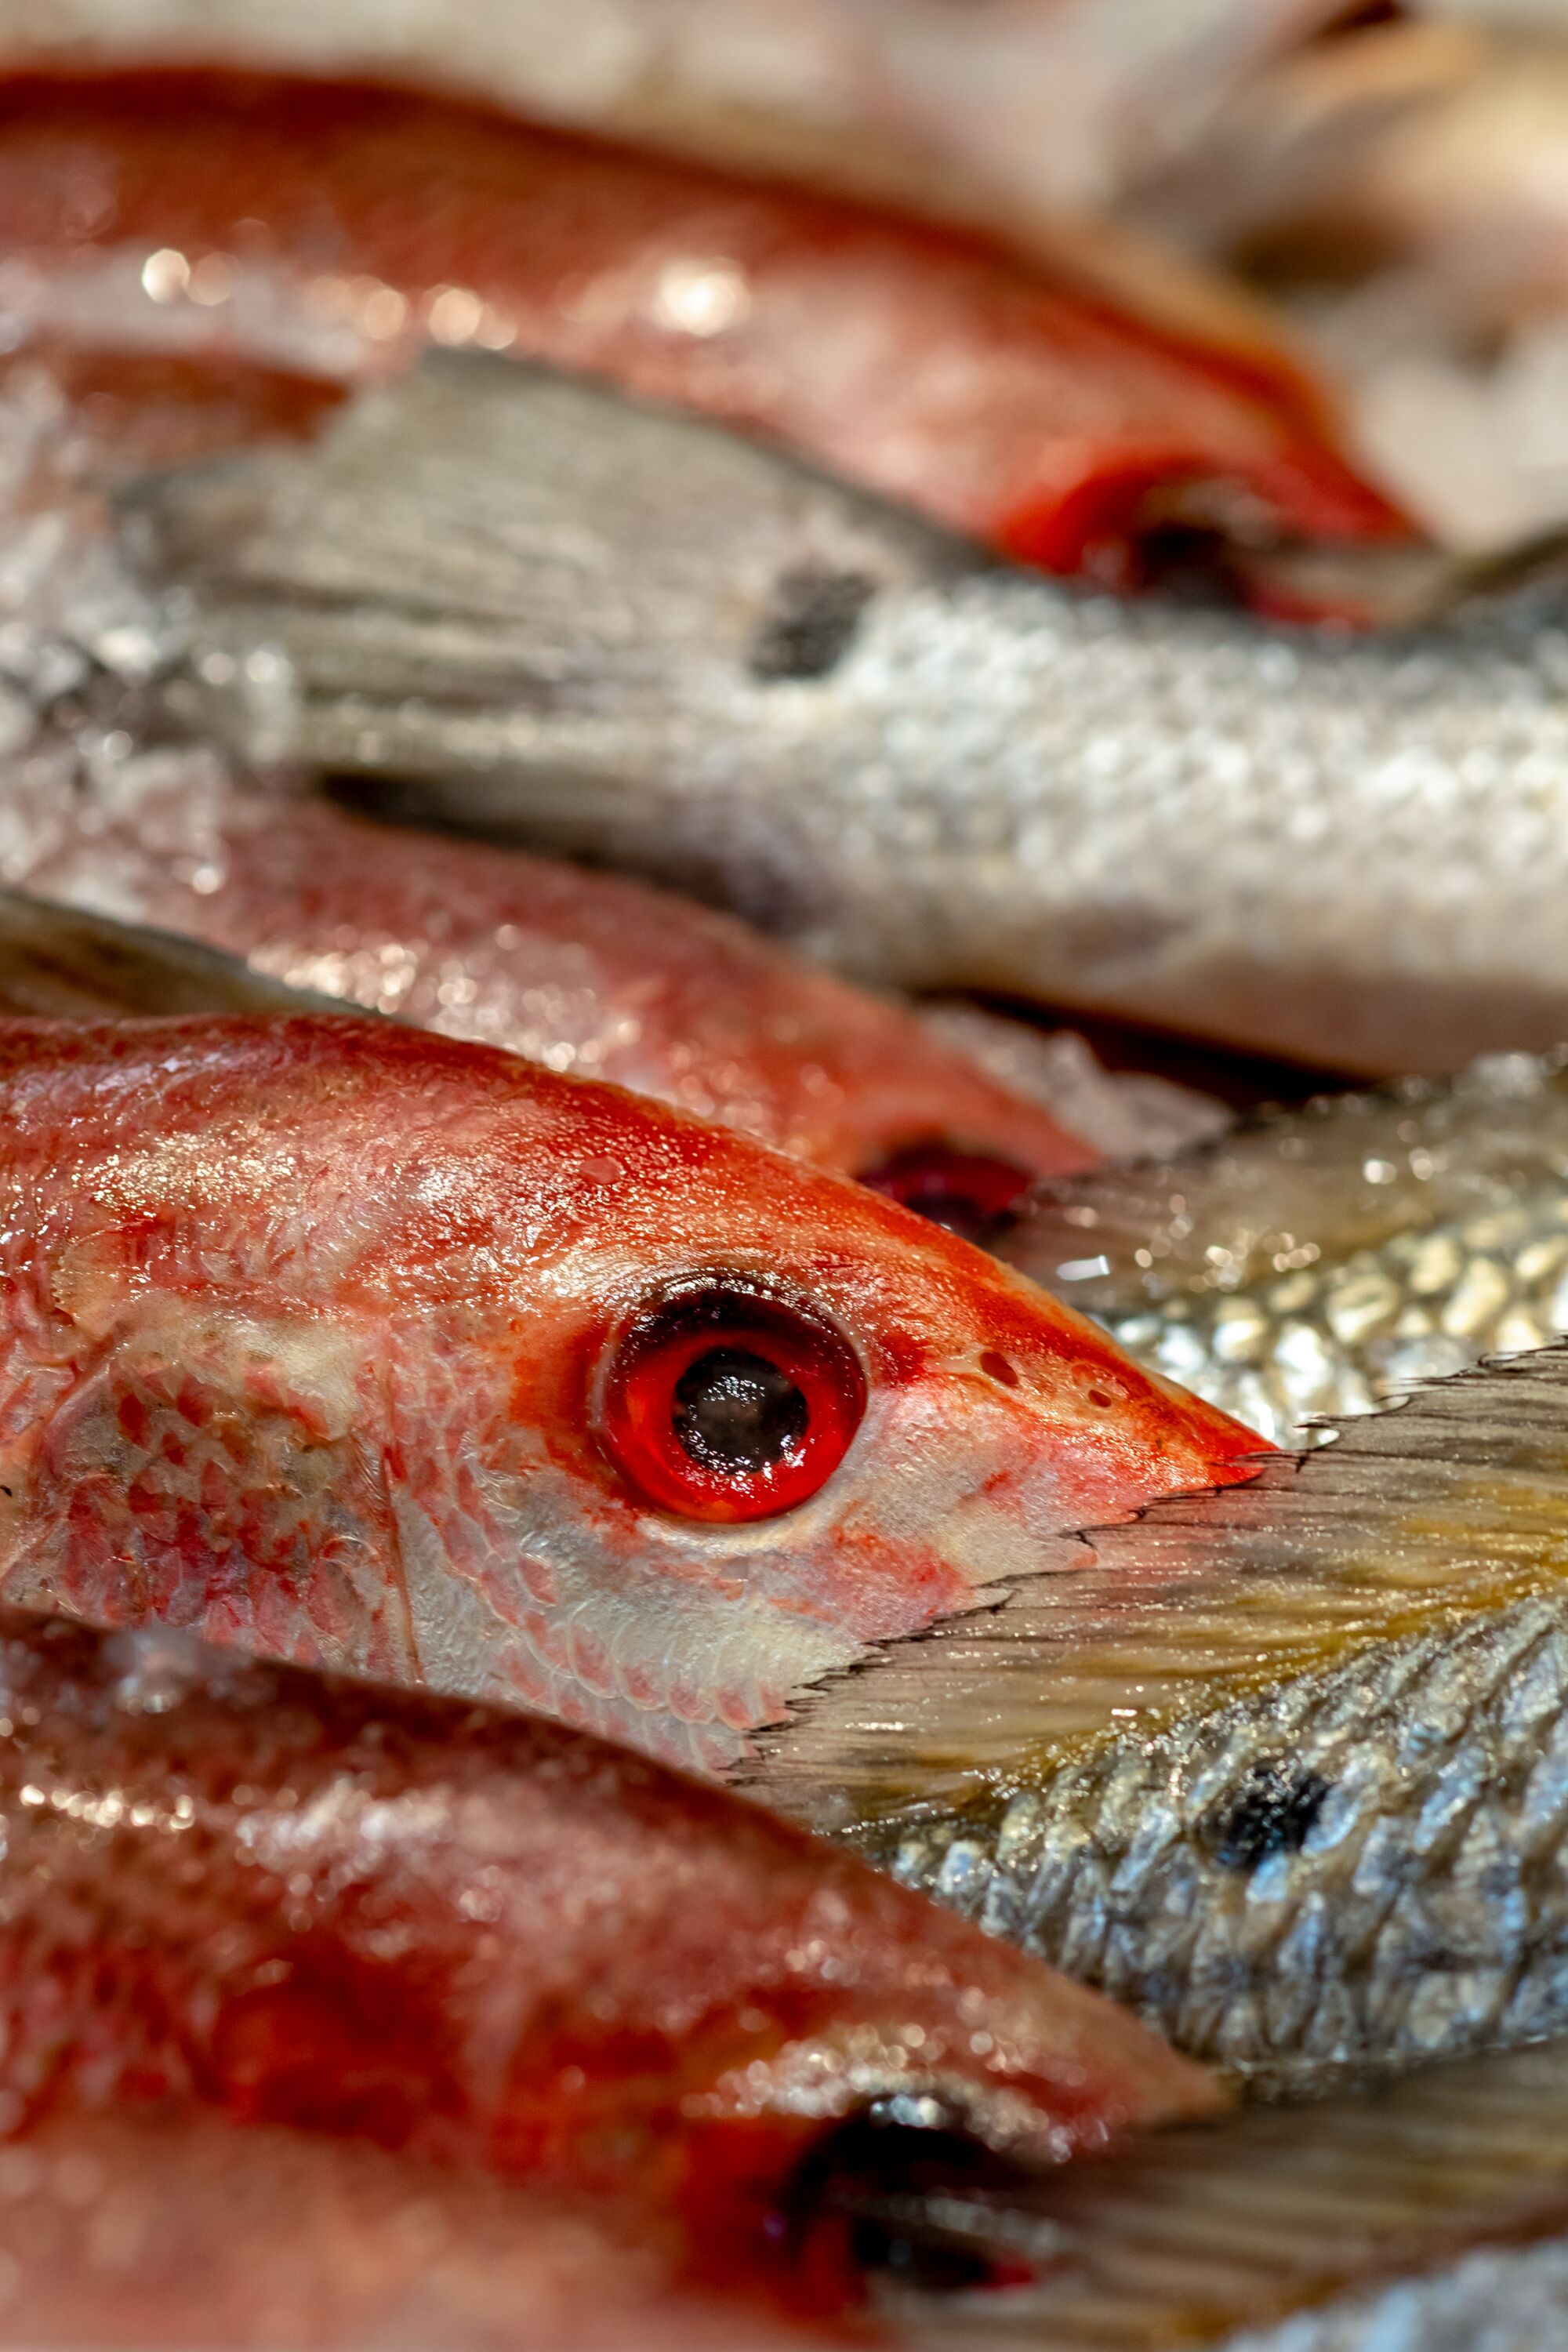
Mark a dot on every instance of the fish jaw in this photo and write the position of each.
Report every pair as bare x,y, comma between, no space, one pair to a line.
310,1324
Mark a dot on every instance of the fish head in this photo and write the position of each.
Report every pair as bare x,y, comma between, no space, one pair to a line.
406,1356
686,1426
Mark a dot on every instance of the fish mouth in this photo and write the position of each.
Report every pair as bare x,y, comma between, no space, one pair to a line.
913,2197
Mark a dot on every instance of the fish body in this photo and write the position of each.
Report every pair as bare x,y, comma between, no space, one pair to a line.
591,974
248,1893
1041,102
199,2236
1320,1261
1284,1771
926,772
332,230
361,1345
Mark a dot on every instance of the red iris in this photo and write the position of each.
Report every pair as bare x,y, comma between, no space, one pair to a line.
724,1402
976,1194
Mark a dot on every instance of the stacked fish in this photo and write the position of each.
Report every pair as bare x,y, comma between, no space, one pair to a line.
658,1682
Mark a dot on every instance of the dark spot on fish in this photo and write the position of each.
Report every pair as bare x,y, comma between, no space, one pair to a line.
1273,1815
811,624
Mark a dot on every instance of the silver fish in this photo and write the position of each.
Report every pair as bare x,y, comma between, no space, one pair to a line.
1429,2214
1286,1768
551,613
1321,1260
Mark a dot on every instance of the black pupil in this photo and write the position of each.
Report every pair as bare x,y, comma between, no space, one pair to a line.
737,1413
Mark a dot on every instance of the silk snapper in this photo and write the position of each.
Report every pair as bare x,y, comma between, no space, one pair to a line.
1320,1261
1284,1769
333,230
490,588
357,1344
252,1894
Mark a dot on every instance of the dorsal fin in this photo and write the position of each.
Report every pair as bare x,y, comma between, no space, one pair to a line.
1453,1504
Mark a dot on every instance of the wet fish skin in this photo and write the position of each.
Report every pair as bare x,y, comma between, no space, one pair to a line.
202,2237
1320,1261
1162,814
250,1893
309,1327
1282,1769
348,225
591,974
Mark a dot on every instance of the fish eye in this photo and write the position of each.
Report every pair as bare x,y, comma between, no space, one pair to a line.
724,1402
976,1194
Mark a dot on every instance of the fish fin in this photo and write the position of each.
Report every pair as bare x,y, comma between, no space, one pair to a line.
1451,1502
61,963
487,564
1199,2230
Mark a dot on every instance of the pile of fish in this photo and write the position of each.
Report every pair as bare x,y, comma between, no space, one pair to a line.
710,1637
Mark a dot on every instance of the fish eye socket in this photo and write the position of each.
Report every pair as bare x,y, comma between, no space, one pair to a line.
723,1402
976,1194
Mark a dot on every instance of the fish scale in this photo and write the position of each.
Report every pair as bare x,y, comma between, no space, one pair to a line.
1285,1768
1344,851
1323,1260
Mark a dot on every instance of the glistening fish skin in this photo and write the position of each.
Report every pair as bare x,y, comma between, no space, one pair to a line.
251,1893
926,773
1320,1261
1286,1768
335,229
119,2232
591,974
361,1345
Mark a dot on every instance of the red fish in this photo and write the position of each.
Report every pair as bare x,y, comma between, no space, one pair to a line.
587,972
358,1345
251,1893
330,226
119,2231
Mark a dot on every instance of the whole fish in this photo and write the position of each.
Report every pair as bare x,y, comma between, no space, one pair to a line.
1427,2210
357,1344
250,1893
197,2236
1323,1260
1285,1768
333,230
493,587
592,975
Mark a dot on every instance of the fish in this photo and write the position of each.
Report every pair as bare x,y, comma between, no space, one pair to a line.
1042,104
1282,1768
1323,1260
927,772
198,2236
333,230
251,1894
589,973
1426,2209
372,1348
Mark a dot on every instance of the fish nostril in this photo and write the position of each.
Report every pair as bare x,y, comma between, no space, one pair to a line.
997,1368
976,1194
1274,1814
